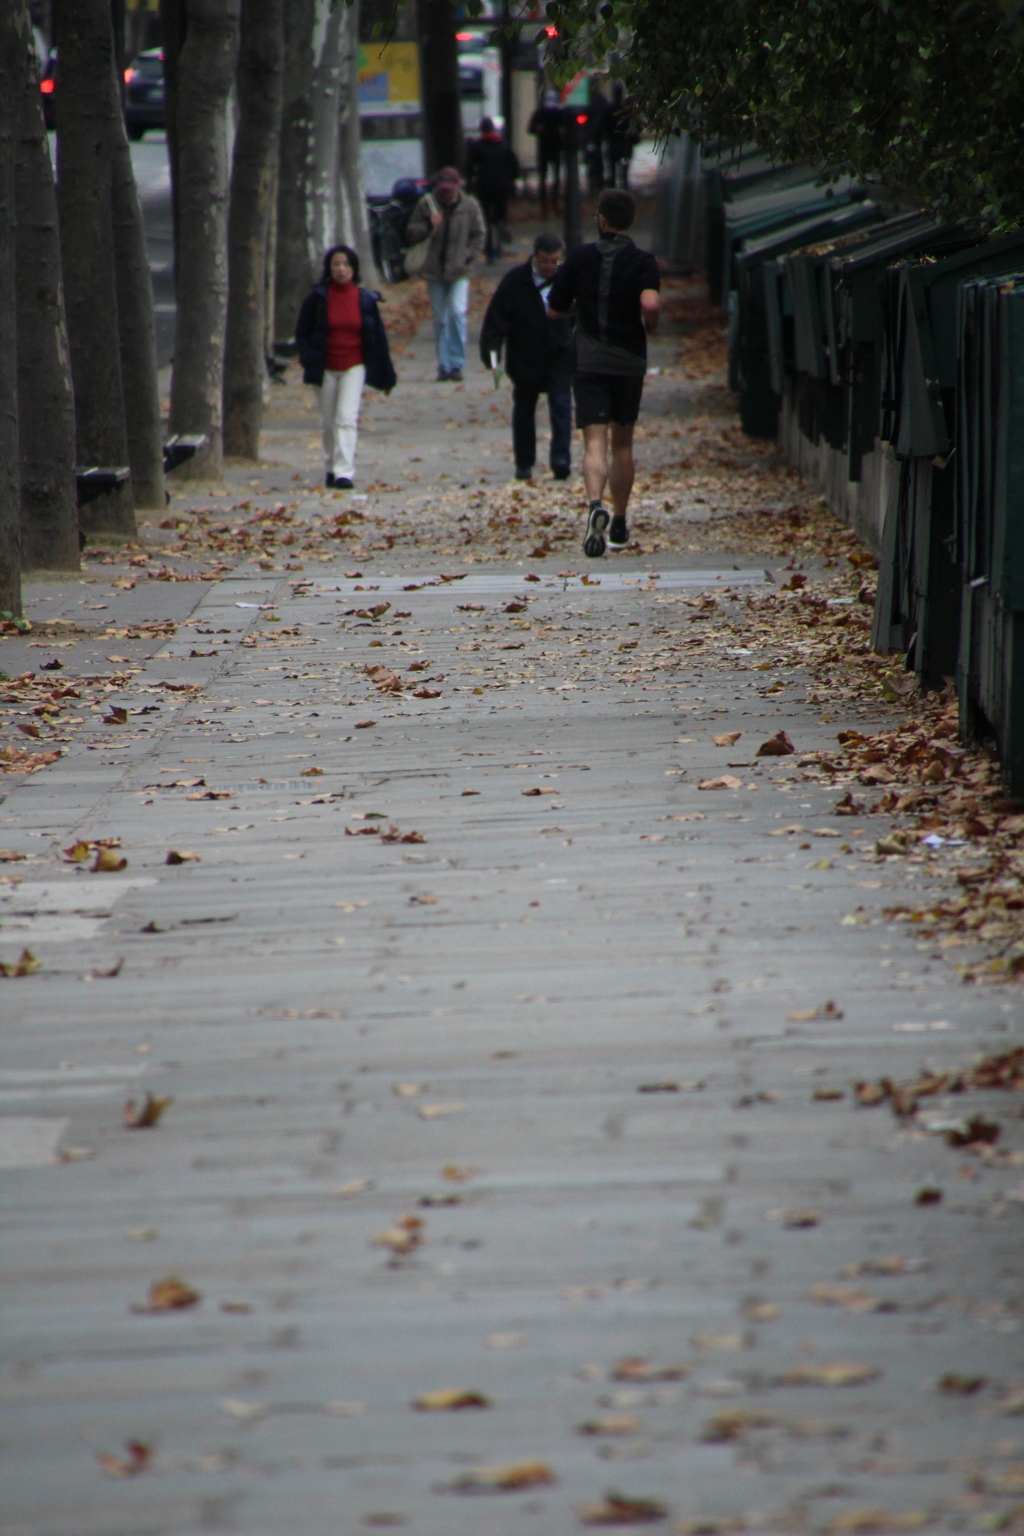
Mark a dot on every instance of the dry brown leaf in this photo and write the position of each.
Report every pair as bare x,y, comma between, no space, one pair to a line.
960,1386
78,852
107,862
426,693
731,1423
822,1011
425,899
137,1117
403,1237
117,716
889,1264
761,1311
851,1297
407,1090
778,745
877,1522
538,791
171,1295
610,1424
636,1369
928,1196
25,965
457,1175
620,1509
508,1479
796,1219
838,1374
725,781
436,1111
727,738
310,773
210,794
174,857
448,1399
136,1459
393,835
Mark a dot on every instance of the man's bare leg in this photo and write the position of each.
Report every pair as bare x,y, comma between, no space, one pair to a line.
620,478
595,460
595,477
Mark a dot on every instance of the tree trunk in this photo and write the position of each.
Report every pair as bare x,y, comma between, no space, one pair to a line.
253,179
355,223
206,68
322,227
136,330
292,271
46,404
172,30
443,141
87,103
12,47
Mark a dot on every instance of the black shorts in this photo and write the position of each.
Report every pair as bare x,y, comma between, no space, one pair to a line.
607,397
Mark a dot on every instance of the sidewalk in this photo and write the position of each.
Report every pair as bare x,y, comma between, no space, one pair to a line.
507,1062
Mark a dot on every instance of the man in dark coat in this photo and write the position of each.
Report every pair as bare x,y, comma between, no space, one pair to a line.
538,355
491,170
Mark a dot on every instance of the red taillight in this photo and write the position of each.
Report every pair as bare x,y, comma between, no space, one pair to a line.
129,72
47,87
463,37
551,31
581,117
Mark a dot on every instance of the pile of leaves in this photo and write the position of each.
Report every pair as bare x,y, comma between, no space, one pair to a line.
37,709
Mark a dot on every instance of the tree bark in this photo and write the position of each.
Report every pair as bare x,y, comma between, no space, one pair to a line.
136,329
443,140
206,68
253,181
87,104
355,222
46,404
292,271
322,227
12,45
172,30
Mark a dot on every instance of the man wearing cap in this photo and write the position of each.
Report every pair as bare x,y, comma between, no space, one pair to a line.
454,223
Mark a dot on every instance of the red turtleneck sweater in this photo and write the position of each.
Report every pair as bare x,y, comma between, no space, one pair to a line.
344,327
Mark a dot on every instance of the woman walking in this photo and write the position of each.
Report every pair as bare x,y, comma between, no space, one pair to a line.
342,346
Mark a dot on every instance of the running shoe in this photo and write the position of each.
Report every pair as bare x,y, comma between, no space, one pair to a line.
343,482
597,522
618,533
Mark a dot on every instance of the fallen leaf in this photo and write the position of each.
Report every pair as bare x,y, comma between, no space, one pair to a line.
839,1374
211,794
117,716
233,1307
717,1341
636,1369
426,693
403,1237
619,1509
822,1011
137,1117
727,781
870,1094
78,852
136,1459
889,1264
778,745
761,1311
247,1412
447,1399
727,738
876,1522
364,725
437,1111
797,1219
353,1187
514,607
107,862
174,857
960,1386
610,1424
657,1088
928,1196
538,791
426,899
457,1175
171,1295
393,835
828,1095
30,730
977,1132
362,831
407,1090
25,965
10,856
520,1474
731,1423
850,1297
310,773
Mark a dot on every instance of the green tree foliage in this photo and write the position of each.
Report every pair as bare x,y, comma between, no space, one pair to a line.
922,95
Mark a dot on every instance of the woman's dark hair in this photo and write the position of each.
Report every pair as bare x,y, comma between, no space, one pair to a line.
353,261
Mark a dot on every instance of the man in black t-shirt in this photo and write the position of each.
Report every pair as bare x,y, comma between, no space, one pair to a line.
614,289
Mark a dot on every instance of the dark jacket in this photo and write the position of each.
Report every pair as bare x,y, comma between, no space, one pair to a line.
538,350
311,336
491,167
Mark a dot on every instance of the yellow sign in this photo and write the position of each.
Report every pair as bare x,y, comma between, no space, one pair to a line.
389,74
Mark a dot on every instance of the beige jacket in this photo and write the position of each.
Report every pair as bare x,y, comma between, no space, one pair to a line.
456,242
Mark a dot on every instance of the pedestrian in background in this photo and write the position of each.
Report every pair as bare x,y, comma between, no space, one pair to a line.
454,224
538,355
622,138
342,346
491,169
546,125
613,288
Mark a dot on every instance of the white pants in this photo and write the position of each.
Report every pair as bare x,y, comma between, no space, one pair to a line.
340,394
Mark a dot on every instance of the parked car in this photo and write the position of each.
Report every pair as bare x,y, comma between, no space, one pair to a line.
144,93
